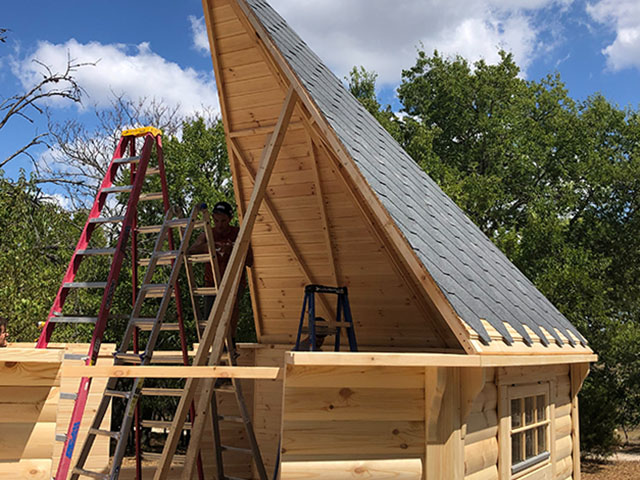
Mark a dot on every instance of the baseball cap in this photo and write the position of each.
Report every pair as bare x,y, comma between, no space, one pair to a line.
223,207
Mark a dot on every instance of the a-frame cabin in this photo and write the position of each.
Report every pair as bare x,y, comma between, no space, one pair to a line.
465,369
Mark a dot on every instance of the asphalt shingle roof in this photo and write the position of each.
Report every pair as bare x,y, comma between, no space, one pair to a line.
475,276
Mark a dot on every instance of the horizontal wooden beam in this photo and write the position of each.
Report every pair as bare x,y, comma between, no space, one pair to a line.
30,355
399,469
125,371
431,359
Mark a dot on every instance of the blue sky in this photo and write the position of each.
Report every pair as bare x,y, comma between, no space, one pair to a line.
159,49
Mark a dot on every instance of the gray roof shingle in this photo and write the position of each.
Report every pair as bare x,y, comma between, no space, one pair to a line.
474,275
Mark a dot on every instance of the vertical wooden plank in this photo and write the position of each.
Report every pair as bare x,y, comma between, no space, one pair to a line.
578,374
444,445
504,436
553,393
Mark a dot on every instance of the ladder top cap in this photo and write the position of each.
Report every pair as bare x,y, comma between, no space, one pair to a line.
139,132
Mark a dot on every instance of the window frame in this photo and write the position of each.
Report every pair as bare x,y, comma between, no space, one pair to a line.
539,461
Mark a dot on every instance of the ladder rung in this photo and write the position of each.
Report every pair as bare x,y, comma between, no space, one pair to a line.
165,327
166,359
73,319
96,251
127,160
230,418
152,171
162,392
120,189
104,433
88,473
84,285
176,222
154,457
144,323
144,262
146,197
205,291
166,254
129,357
248,451
117,219
199,258
150,288
162,424
61,437
117,394
155,290
68,396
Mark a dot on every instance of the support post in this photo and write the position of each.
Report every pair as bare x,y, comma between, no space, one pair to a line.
579,372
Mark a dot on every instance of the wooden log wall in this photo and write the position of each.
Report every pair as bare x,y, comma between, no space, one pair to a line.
563,427
29,390
562,461
480,434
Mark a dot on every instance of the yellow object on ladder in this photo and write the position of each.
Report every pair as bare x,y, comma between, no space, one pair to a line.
138,132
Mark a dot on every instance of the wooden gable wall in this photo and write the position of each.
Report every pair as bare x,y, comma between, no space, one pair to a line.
311,227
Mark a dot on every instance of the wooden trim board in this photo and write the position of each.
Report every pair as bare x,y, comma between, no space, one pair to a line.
125,371
430,359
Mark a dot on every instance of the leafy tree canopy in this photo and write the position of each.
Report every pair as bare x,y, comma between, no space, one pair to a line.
554,183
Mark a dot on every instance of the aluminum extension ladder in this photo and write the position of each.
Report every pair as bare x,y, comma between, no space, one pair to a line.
125,355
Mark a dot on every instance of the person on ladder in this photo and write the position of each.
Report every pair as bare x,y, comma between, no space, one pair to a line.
225,236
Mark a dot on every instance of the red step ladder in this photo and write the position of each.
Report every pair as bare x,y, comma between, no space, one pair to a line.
124,156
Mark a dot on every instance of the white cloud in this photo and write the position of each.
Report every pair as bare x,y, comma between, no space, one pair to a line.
623,17
383,36
199,34
133,71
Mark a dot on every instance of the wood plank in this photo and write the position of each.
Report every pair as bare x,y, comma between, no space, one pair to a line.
429,359
228,28
578,374
26,440
26,469
41,355
245,72
242,87
352,403
29,373
27,404
398,469
124,371
346,438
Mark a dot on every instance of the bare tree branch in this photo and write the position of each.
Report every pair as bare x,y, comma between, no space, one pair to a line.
52,85
78,158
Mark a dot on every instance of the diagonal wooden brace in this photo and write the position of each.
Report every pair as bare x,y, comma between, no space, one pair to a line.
217,325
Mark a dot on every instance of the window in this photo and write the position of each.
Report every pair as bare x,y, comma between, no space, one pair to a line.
530,424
